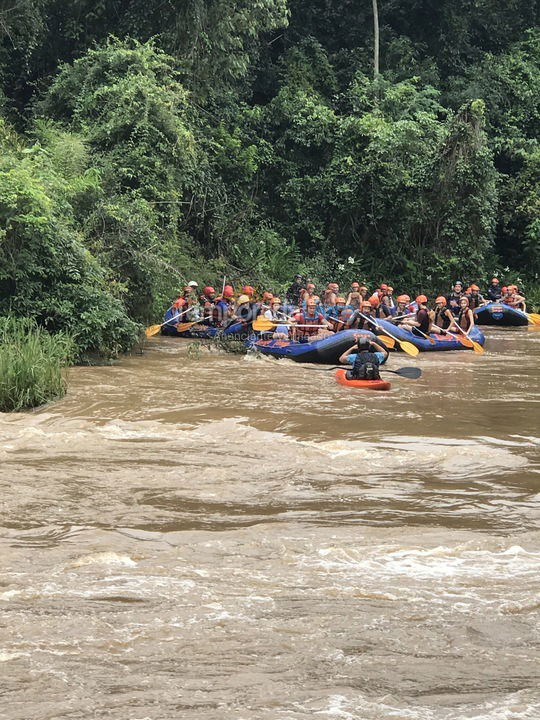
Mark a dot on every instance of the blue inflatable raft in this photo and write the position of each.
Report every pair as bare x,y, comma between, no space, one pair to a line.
442,342
328,350
501,315
206,331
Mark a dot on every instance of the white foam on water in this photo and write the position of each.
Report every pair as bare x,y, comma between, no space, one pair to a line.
104,558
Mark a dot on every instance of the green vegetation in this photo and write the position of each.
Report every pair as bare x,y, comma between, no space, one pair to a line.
31,364
145,143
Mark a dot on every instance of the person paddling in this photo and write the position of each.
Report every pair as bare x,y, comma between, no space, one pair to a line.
365,356
420,324
443,318
465,319
312,320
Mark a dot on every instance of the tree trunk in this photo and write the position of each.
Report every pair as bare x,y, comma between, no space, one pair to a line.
376,39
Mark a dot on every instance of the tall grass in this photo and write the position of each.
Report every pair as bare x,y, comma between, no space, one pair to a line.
31,364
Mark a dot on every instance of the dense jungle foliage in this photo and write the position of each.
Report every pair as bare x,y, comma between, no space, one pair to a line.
146,143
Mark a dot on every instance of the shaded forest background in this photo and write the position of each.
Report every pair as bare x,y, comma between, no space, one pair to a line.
146,143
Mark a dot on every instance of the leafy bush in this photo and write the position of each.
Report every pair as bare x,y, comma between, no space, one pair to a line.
31,364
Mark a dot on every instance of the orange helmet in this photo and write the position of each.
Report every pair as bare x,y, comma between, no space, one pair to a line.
267,295
311,303
248,290
464,298
421,299
374,301
340,299
475,287
228,291
310,286
403,298
441,299
366,304
276,301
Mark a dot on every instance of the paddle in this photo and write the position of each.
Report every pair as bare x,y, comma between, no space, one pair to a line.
154,329
407,372
533,318
465,340
431,340
407,347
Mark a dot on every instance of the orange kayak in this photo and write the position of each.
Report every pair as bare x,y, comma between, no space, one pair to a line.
365,384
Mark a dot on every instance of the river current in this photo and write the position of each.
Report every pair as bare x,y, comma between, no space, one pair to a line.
205,536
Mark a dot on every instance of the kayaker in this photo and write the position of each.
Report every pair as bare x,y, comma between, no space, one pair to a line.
452,300
312,320
365,356
475,299
494,290
465,318
293,293
442,317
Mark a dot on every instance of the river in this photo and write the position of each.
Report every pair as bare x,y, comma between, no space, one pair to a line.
205,536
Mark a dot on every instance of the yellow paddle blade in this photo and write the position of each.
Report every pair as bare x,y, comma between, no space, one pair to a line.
182,327
388,341
478,349
535,317
408,347
464,341
152,330
261,324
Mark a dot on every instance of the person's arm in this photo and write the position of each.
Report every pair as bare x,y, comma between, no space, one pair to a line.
381,349
343,358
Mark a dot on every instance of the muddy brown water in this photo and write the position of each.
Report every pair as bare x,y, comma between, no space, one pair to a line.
205,536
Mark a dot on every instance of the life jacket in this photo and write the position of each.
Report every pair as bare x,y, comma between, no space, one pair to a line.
335,315
475,300
314,321
366,367
441,319
464,321
423,320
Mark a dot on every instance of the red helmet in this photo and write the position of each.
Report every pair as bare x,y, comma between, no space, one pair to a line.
504,289
208,290
228,291
248,290
421,299
267,295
